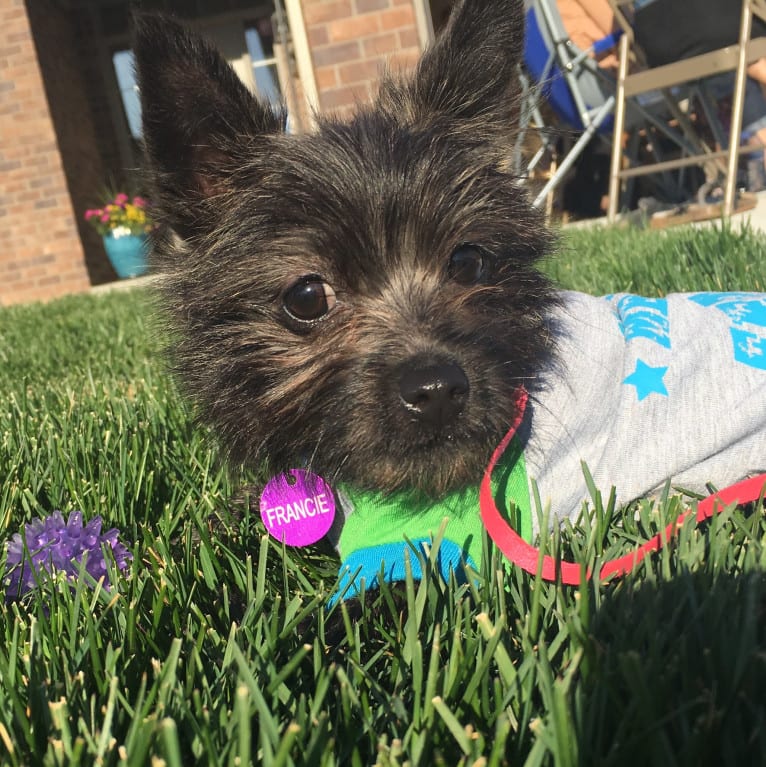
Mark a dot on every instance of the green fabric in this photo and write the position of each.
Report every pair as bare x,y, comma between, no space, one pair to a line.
378,519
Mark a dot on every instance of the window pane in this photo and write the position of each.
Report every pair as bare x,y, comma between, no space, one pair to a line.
123,68
259,38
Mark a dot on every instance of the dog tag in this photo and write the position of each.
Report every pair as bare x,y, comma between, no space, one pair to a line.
297,508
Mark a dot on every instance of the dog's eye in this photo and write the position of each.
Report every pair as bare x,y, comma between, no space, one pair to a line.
466,265
309,299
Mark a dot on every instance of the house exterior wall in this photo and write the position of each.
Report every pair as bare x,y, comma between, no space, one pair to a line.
41,255
58,146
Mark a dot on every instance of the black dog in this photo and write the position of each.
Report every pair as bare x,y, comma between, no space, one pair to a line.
365,301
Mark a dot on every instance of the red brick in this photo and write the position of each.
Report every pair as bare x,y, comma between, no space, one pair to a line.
326,10
404,61
10,14
22,36
404,16
34,183
318,35
354,27
52,279
359,71
365,6
380,44
344,96
19,288
326,77
409,38
336,54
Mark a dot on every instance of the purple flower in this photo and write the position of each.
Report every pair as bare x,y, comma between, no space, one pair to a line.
52,543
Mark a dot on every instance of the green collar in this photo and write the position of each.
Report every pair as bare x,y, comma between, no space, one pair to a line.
375,520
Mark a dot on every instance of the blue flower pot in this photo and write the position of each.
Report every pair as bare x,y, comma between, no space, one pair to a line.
128,254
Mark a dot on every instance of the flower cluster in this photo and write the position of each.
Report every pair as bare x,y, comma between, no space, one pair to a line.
54,544
121,216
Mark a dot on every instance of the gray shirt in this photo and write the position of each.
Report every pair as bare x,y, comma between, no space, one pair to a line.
649,390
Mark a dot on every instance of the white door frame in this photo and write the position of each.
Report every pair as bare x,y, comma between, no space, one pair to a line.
424,22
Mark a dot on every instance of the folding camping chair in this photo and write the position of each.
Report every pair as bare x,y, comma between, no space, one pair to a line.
666,78
583,98
566,78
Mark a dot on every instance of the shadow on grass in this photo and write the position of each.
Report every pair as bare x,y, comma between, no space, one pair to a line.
676,674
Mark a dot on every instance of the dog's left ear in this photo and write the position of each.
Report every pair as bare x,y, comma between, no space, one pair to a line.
199,120
469,75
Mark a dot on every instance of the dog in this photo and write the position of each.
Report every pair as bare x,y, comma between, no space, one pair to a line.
366,302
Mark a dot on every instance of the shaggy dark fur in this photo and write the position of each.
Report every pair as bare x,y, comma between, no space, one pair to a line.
363,299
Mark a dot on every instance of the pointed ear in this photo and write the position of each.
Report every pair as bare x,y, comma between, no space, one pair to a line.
469,75
197,118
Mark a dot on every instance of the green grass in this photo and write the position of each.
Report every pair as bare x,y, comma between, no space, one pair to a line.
214,647
608,260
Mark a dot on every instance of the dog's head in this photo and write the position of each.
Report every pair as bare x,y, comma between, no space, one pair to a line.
363,298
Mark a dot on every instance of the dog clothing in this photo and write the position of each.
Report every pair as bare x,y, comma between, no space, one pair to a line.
646,391
380,532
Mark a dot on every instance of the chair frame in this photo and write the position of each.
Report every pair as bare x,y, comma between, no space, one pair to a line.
572,62
731,58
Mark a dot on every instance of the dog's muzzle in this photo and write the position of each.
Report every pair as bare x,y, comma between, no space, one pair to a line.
435,394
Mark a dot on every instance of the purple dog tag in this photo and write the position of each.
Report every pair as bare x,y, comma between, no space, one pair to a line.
297,509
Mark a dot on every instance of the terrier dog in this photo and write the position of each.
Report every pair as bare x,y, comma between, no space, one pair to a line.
365,301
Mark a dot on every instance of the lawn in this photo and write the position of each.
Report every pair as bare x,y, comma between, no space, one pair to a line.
214,646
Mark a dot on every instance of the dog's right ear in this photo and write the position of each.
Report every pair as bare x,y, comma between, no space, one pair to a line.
468,77
198,119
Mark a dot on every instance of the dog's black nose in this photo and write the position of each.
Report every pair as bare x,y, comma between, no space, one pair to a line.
435,394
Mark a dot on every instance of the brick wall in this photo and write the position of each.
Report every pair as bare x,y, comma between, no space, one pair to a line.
40,251
351,41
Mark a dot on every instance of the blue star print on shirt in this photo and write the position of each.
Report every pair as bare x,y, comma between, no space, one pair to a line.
647,380
644,318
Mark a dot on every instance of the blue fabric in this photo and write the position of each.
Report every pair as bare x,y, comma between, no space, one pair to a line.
553,86
552,83
388,558
678,394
